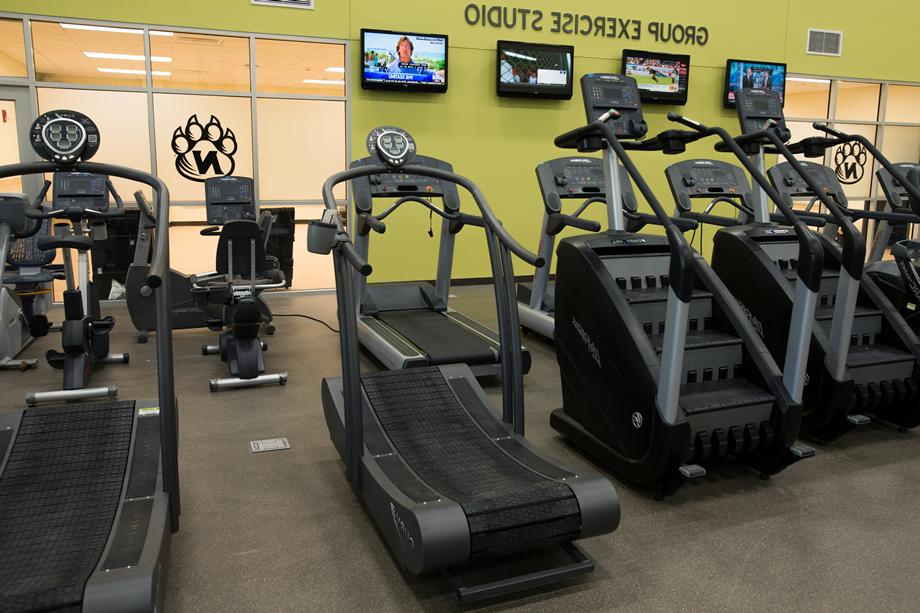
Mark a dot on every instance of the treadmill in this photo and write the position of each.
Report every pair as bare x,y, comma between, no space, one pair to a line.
89,492
447,482
407,325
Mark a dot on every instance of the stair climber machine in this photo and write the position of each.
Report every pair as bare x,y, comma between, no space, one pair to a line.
660,367
899,201
89,491
406,325
863,355
26,291
447,482
82,199
575,178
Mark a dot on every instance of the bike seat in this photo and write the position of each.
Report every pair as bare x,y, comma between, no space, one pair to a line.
80,243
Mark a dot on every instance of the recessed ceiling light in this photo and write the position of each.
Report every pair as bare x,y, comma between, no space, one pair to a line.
322,82
335,69
156,73
80,26
125,56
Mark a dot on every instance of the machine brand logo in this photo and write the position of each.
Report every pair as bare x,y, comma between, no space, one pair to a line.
401,529
850,163
637,420
205,151
592,348
908,273
704,163
582,161
758,327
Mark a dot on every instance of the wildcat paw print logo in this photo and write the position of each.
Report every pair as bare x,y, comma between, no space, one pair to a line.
850,162
204,151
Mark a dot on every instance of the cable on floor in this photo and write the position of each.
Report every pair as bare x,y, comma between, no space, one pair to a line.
319,321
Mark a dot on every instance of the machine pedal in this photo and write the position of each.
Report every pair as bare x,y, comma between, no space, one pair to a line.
859,420
802,452
692,471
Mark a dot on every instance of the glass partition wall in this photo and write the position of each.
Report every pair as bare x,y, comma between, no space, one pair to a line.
888,114
190,104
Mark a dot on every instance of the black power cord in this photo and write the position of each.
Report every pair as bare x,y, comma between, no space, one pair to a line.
319,321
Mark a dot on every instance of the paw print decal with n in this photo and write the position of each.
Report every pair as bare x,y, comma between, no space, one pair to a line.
850,162
205,151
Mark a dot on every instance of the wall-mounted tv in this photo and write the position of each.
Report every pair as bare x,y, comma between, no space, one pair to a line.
534,70
759,75
662,78
403,61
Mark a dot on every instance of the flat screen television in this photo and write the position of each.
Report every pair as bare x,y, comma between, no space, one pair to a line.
759,75
403,61
534,70
663,78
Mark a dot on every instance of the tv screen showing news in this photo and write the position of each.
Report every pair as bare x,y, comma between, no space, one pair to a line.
759,75
404,61
662,77
534,70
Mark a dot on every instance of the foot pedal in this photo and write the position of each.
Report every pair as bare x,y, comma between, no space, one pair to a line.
802,452
692,471
859,420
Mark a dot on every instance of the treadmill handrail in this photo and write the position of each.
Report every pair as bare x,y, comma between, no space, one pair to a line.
159,270
428,205
843,137
811,254
681,273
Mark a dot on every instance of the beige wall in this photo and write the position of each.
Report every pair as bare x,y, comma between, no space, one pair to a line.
9,145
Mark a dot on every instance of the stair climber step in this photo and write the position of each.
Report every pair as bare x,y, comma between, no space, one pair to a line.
721,395
709,355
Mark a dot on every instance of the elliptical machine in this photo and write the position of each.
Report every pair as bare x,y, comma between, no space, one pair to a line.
83,200
25,294
660,367
864,357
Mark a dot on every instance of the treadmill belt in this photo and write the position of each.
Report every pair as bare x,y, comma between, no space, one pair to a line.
58,496
509,507
445,341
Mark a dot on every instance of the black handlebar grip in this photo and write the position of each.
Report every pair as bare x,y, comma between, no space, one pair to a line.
356,261
582,224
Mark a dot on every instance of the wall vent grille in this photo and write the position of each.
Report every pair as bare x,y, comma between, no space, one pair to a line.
824,42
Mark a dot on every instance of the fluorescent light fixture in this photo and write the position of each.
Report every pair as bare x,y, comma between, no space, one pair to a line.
80,26
335,69
521,55
156,73
322,82
807,80
125,56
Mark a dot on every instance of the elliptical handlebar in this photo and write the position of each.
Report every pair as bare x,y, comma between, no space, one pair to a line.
811,254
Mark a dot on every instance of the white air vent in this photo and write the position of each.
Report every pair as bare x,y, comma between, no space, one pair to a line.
824,42
297,4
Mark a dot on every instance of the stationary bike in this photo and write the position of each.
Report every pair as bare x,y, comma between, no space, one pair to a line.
25,292
243,271
83,200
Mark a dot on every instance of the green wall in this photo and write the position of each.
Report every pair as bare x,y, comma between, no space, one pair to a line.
498,142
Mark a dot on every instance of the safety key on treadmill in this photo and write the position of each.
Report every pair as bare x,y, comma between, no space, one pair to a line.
391,145
64,137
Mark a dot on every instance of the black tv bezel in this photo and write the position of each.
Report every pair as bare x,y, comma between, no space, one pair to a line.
657,97
730,104
395,86
533,91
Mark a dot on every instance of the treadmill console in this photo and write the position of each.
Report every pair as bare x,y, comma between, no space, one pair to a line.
790,183
391,145
756,107
895,193
397,185
82,190
229,199
578,177
603,92
64,137
707,179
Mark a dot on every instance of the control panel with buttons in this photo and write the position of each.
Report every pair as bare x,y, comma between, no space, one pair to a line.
64,137
229,199
605,92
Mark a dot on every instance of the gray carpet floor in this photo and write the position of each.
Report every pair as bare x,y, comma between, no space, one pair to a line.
281,531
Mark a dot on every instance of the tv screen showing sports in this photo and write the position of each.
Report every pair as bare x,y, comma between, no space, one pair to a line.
403,61
534,70
759,75
662,78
